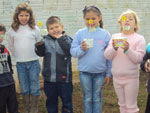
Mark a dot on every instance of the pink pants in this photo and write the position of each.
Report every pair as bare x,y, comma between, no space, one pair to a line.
127,92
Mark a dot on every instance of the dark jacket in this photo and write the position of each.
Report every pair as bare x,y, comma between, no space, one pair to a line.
57,58
6,71
146,57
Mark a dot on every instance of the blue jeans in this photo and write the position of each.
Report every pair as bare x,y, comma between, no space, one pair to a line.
28,75
92,84
53,90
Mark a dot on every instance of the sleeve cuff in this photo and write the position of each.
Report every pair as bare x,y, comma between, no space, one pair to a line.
109,75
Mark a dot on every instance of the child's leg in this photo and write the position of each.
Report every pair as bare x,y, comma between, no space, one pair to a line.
26,102
86,84
24,84
23,78
65,92
131,93
3,98
12,103
3,109
148,104
98,83
119,89
147,110
51,93
33,72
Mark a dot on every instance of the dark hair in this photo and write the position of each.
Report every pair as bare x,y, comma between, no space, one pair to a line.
94,9
23,7
52,20
2,28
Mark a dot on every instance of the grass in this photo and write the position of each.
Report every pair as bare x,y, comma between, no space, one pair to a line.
109,98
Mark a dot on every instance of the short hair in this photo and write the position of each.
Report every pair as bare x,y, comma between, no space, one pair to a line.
52,20
137,23
2,27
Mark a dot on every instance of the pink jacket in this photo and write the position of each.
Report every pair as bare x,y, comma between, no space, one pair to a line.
126,64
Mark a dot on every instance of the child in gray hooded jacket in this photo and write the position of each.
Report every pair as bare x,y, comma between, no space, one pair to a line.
56,70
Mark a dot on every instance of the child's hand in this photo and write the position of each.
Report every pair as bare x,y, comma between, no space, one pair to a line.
114,43
126,46
2,47
107,81
58,35
147,66
1,40
64,34
83,45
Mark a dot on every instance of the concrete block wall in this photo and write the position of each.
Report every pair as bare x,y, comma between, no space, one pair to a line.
70,12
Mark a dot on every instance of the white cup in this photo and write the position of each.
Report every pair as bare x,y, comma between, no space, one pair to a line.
89,42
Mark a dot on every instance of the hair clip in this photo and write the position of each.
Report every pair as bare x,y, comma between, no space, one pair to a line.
84,9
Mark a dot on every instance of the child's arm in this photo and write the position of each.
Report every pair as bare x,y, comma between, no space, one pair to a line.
146,57
65,43
76,49
40,48
10,41
9,60
108,62
109,65
137,55
110,51
38,34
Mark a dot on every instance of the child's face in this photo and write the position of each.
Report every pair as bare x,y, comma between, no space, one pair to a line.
55,29
24,17
1,36
128,21
92,16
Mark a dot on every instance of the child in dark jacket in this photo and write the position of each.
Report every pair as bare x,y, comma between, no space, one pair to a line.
56,70
7,85
145,66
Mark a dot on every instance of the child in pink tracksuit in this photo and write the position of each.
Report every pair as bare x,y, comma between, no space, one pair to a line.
126,60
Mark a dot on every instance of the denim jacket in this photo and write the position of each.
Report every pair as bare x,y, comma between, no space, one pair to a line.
57,58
